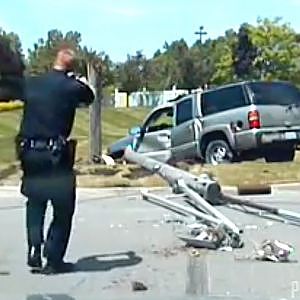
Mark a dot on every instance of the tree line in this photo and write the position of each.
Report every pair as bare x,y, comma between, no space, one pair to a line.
268,50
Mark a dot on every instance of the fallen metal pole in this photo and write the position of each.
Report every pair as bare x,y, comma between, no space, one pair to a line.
206,187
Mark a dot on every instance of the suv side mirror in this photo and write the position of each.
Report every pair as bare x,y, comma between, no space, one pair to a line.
135,130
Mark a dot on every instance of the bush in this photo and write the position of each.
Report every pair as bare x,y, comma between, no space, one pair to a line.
10,106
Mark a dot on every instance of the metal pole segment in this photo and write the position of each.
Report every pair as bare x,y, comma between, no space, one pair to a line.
265,215
199,201
287,214
209,189
158,200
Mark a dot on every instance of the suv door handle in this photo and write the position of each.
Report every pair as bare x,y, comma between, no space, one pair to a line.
164,135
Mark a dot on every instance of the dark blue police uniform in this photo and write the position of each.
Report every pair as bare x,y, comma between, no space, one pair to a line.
47,158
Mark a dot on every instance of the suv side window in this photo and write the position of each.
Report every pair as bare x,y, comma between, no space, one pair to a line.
160,120
184,111
223,99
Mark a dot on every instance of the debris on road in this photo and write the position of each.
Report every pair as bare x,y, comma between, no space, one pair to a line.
251,227
204,237
203,194
270,250
4,273
274,250
139,286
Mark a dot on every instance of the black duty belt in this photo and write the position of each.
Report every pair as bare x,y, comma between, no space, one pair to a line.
43,144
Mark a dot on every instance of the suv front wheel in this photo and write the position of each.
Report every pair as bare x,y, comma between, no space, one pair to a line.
218,152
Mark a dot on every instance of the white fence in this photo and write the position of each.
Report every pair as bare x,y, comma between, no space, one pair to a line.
146,98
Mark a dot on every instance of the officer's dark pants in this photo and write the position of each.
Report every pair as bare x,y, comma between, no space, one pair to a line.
42,183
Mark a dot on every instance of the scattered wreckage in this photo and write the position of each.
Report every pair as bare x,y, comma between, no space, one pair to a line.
201,196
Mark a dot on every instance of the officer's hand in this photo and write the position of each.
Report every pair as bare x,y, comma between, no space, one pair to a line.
84,81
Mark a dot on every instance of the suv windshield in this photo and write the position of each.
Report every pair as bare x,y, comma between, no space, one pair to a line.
274,93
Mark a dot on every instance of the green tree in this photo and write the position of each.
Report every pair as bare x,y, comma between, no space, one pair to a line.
11,66
134,74
244,54
223,58
279,51
42,55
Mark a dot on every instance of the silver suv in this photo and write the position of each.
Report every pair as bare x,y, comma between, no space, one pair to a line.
246,120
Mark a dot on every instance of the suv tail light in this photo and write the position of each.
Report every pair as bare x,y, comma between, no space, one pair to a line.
254,119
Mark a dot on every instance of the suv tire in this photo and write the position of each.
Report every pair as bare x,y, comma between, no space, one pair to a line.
280,155
218,152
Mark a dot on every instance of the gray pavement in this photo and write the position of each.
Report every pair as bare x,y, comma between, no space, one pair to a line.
117,238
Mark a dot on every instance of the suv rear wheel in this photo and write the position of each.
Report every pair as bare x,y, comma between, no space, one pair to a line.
218,152
280,154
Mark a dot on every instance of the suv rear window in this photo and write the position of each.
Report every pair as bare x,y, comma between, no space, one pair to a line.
222,99
274,93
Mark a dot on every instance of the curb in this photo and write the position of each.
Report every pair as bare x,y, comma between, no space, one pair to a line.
13,188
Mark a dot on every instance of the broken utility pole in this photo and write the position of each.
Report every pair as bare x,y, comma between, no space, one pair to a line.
95,133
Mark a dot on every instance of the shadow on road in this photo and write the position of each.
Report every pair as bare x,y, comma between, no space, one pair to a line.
106,262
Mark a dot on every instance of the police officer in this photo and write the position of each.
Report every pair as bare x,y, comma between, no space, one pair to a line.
47,157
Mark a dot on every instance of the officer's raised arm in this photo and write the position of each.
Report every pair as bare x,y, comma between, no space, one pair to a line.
85,91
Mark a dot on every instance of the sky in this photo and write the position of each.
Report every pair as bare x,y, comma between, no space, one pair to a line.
121,27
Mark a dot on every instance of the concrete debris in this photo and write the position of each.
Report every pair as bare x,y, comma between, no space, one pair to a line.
108,160
251,227
274,250
226,249
271,250
269,224
139,286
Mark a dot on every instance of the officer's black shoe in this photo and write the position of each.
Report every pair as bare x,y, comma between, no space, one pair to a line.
34,259
57,268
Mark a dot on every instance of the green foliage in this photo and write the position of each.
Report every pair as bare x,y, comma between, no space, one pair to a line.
223,58
244,54
279,50
41,57
266,50
11,66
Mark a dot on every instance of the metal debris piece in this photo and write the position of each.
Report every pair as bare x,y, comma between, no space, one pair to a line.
139,286
172,219
204,237
212,238
4,273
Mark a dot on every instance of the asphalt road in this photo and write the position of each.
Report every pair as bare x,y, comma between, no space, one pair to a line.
118,238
